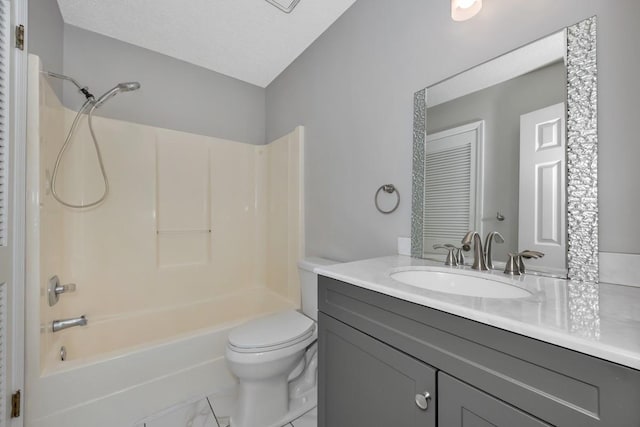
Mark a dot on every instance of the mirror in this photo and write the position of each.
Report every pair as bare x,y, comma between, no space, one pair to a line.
510,146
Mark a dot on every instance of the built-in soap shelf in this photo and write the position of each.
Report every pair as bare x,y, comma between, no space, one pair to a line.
183,231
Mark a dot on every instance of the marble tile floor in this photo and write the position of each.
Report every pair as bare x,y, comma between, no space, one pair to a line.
210,411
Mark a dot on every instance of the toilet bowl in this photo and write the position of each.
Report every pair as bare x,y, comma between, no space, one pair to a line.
275,358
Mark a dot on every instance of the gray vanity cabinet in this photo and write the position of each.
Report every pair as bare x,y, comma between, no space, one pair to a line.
367,383
461,405
377,353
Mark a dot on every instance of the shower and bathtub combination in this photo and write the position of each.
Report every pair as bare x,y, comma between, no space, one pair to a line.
171,240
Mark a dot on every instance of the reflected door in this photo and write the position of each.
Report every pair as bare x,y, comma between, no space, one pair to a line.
542,210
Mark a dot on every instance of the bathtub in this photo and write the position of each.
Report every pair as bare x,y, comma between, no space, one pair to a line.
108,379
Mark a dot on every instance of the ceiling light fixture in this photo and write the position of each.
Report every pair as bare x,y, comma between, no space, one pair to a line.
461,10
284,5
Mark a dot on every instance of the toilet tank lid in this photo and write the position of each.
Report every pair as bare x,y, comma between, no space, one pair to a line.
312,262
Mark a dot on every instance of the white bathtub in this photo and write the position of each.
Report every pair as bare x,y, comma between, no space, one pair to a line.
109,380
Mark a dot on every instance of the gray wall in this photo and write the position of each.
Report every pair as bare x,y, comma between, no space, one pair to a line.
45,36
353,90
501,106
174,94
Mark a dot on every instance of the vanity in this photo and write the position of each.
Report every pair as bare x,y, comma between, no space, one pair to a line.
506,150
393,354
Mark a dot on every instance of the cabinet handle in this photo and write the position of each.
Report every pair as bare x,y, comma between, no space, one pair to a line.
422,400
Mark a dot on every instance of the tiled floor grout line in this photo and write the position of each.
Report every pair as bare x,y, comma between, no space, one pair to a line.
218,422
215,418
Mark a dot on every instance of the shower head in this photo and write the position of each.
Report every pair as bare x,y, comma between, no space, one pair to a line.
128,86
120,87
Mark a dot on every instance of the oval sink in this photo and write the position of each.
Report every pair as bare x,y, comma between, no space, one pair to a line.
459,284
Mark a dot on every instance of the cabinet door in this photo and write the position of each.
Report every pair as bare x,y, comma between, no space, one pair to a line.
460,405
365,383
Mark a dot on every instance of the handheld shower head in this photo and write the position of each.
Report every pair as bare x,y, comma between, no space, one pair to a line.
120,87
129,86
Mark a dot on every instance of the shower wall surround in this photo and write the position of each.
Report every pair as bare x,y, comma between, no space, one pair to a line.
188,218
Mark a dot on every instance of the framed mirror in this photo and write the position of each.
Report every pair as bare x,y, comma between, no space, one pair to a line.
510,146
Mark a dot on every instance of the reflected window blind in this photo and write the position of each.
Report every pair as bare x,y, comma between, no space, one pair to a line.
448,189
5,37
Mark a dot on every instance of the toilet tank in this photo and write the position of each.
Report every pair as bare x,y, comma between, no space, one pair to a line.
309,284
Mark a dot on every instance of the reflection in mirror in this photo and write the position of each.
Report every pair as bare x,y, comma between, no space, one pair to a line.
495,155
509,149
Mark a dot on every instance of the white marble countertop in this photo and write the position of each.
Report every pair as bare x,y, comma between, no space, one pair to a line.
603,321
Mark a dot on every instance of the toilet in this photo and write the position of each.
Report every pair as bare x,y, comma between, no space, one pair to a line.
275,357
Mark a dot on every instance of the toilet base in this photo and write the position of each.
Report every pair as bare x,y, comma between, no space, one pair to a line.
297,408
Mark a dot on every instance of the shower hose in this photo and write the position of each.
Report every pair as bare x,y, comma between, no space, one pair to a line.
89,105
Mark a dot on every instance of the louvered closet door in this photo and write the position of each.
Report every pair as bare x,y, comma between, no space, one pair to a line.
6,258
452,184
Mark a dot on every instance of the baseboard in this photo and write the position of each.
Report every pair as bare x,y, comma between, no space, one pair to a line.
620,269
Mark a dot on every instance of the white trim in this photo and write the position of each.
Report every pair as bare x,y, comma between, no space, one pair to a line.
302,249
19,132
620,269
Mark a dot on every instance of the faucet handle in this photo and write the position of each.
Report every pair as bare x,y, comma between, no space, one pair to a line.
451,259
513,265
459,256
70,287
54,289
527,254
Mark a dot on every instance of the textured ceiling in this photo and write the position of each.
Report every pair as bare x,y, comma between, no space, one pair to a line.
250,40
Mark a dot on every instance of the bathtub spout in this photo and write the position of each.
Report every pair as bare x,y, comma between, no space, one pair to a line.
59,325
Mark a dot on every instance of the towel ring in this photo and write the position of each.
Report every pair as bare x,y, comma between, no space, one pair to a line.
390,189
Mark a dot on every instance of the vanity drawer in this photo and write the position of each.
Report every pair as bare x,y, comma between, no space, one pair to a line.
560,386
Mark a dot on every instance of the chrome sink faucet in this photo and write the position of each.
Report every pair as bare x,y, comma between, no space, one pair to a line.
488,246
479,262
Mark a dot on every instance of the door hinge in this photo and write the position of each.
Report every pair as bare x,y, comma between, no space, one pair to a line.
15,404
20,37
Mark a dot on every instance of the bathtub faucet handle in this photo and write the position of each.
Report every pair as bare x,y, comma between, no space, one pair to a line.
69,287
55,289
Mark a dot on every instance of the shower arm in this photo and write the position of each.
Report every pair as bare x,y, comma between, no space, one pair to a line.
83,89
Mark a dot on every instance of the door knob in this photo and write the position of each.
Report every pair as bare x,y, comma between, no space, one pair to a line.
422,400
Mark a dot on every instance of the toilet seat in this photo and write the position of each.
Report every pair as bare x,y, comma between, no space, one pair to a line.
271,333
